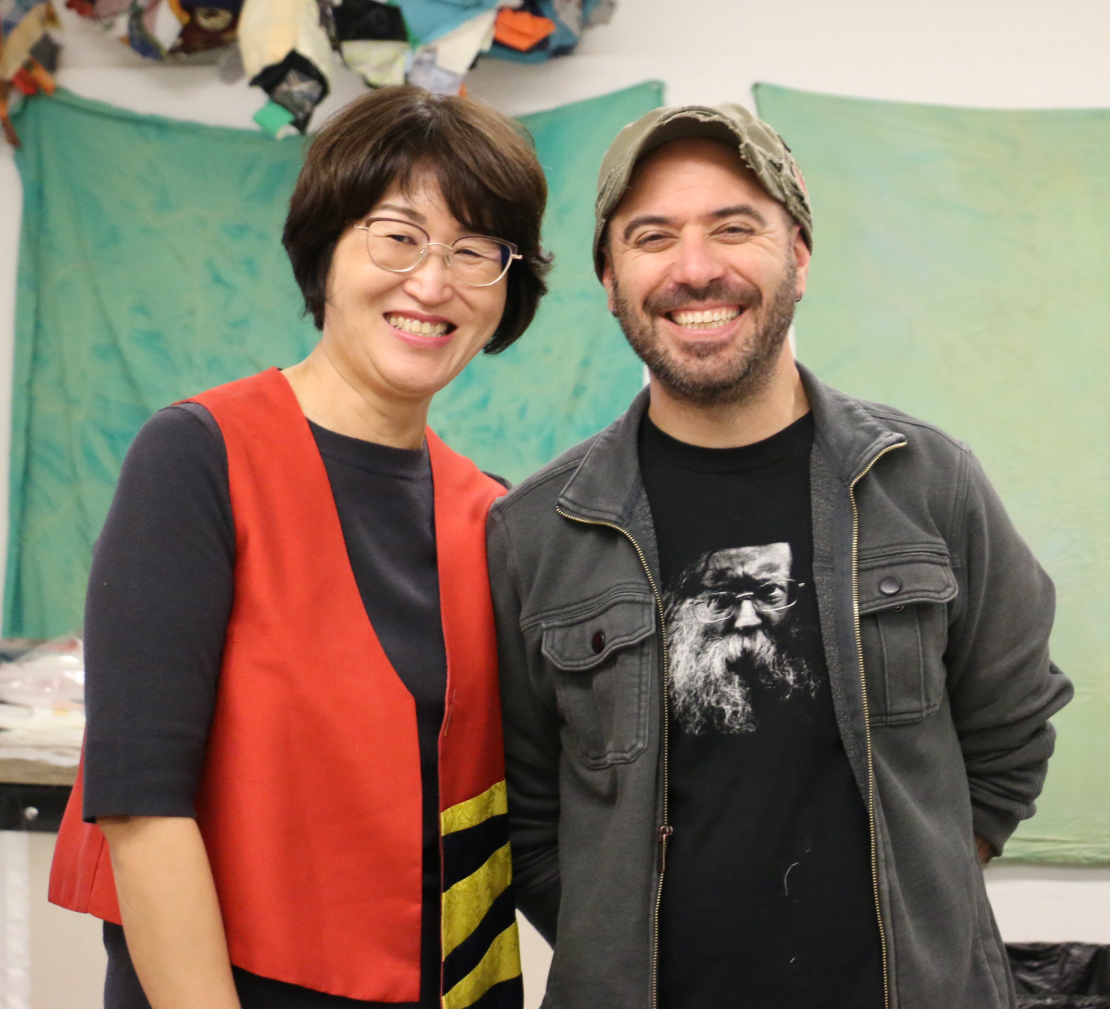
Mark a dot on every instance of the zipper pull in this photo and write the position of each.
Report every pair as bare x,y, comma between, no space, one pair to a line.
665,832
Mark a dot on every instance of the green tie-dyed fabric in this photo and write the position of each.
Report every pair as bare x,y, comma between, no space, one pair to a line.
151,269
961,272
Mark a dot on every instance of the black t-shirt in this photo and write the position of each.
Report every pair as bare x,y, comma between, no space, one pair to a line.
156,614
767,896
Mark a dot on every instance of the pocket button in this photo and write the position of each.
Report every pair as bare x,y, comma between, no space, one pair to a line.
598,642
890,586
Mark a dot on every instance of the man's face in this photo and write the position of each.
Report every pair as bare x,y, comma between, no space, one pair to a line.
702,270
747,589
729,631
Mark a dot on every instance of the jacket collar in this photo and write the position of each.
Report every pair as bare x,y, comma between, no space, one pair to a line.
607,486
851,435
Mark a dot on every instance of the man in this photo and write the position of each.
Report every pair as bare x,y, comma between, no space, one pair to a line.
774,661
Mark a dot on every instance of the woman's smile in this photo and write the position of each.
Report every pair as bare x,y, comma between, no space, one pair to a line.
420,330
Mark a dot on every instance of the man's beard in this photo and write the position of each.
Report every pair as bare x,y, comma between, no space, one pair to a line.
711,672
727,375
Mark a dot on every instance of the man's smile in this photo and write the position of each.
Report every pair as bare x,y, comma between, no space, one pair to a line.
704,318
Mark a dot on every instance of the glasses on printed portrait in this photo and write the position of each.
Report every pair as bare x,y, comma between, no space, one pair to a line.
400,247
768,599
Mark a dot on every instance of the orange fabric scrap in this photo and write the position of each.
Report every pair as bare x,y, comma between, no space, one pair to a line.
23,80
5,121
41,76
521,30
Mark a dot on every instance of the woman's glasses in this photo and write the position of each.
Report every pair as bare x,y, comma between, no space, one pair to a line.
400,247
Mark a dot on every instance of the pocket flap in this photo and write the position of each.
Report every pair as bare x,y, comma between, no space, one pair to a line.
888,584
588,636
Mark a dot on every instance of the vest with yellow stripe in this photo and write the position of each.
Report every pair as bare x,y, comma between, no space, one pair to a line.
310,795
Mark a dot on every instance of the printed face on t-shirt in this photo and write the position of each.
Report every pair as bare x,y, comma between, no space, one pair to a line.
731,628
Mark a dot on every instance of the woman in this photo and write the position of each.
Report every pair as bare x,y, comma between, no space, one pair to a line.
291,669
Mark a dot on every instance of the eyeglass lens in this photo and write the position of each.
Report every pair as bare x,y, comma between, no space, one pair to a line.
767,598
474,260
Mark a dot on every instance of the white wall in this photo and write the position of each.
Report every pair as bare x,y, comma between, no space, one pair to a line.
993,53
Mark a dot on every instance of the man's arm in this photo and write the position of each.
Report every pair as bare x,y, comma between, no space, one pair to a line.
171,915
1002,686
531,749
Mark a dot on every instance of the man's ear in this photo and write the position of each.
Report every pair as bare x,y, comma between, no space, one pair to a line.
607,278
802,256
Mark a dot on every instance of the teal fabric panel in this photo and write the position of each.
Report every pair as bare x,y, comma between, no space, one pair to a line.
572,372
151,269
960,273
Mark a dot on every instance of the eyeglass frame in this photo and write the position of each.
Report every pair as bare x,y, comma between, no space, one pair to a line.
450,249
791,586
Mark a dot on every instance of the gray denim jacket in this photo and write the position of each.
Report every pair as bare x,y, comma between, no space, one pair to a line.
952,740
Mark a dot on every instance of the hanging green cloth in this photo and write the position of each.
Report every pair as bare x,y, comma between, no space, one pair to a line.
151,268
960,272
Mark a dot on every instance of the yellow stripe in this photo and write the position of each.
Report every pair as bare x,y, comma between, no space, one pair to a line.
466,903
492,802
501,963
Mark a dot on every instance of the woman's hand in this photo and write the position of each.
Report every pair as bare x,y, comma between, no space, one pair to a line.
171,915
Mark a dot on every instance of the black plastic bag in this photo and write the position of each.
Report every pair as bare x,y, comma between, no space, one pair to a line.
1061,975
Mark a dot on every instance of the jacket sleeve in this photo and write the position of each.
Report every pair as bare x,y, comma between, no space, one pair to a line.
532,748
1001,683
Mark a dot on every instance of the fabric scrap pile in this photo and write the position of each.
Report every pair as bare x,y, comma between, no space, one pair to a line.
42,700
291,48
539,30
28,54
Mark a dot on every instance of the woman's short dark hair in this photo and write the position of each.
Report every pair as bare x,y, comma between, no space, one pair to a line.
484,163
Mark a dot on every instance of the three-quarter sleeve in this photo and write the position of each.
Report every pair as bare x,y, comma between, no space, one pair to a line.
156,614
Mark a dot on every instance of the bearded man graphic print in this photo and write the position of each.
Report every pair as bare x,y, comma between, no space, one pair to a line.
732,626
768,869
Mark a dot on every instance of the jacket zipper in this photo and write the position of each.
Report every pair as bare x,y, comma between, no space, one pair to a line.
867,720
665,829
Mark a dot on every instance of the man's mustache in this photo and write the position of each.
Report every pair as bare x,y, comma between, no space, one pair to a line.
682,295
740,644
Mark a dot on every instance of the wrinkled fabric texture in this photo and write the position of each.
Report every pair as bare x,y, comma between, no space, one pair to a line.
926,594
960,273
151,266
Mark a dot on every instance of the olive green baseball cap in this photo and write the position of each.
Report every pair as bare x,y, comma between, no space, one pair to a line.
761,148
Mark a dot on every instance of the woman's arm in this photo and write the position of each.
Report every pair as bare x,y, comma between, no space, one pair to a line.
156,615
171,917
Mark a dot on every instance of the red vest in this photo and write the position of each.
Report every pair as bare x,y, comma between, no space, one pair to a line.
310,797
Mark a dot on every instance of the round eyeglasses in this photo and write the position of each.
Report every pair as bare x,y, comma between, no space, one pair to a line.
767,598
400,247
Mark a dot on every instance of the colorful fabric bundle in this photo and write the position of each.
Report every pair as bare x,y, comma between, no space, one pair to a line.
540,30
28,54
288,48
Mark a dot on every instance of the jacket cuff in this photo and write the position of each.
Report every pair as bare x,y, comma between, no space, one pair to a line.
993,827
541,908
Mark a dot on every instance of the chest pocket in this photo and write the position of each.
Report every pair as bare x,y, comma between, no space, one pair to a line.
602,652
904,631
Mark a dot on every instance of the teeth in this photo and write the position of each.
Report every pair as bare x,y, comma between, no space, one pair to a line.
707,318
418,327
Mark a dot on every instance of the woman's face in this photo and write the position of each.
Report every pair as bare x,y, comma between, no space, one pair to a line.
371,313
